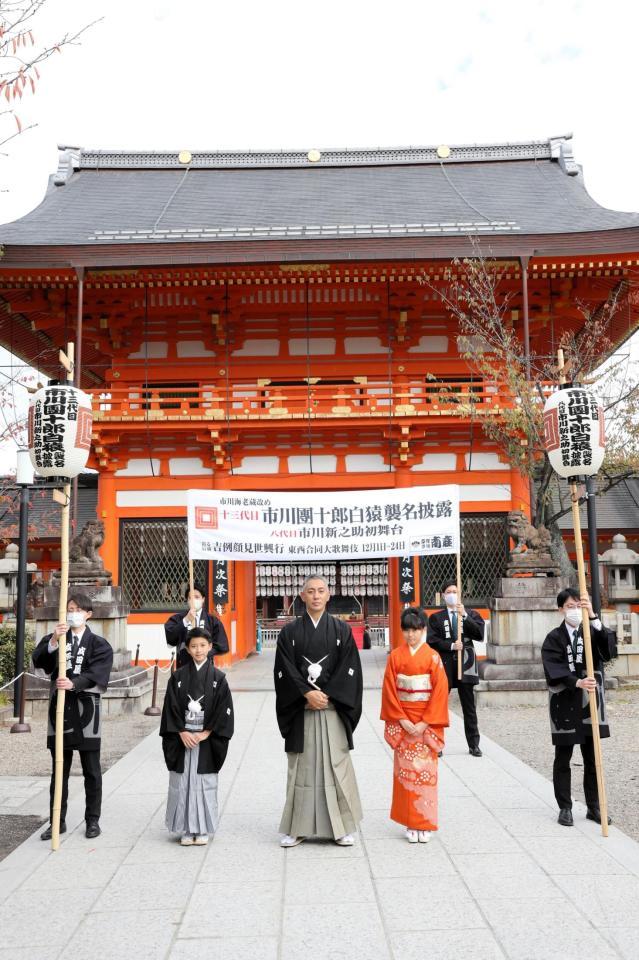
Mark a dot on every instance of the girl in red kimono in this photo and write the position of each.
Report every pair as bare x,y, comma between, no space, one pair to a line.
415,708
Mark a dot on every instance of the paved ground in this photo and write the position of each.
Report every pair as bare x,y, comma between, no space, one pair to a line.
501,880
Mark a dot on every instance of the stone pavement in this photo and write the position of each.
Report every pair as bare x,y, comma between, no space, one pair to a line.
501,879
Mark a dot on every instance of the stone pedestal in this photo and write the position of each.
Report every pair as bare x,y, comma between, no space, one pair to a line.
132,691
522,613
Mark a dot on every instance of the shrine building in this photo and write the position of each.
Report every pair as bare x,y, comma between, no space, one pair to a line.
271,321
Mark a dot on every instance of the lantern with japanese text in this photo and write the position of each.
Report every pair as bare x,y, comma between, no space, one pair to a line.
574,434
60,421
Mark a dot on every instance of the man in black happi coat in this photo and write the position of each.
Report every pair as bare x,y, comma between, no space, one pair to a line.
564,663
178,627
89,662
442,636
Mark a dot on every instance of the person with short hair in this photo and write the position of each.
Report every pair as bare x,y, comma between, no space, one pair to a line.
178,626
196,726
569,686
442,637
415,710
89,661
318,700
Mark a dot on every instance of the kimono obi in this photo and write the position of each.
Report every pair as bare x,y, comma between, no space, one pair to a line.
413,687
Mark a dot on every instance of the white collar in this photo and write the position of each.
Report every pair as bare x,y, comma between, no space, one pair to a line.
414,650
316,622
78,635
198,666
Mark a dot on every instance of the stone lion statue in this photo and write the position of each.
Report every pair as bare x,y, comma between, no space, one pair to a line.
526,536
84,545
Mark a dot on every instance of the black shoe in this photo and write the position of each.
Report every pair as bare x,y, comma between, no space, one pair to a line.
594,813
46,834
565,817
475,752
92,830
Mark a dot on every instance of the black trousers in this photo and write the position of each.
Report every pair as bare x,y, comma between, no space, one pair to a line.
90,760
561,774
466,693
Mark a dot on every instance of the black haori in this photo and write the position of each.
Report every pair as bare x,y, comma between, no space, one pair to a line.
301,646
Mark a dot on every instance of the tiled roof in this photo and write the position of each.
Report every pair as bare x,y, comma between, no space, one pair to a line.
617,509
108,197
44,513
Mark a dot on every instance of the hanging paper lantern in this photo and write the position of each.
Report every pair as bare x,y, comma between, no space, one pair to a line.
574,434
60,422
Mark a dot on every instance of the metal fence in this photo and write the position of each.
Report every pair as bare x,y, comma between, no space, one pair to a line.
154,566
484,551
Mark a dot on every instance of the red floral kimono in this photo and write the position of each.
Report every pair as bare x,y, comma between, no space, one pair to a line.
416,689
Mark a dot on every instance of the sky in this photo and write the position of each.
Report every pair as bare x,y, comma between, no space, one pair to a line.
207,74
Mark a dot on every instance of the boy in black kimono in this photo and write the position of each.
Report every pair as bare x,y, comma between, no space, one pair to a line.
563,658
89,662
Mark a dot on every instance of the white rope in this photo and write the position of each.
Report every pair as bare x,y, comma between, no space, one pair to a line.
125,679
4,687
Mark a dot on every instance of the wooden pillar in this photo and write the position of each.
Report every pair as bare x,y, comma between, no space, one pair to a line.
106,512
245,607
520,492
395,602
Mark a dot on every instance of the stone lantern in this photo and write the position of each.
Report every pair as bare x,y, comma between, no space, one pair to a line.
621,566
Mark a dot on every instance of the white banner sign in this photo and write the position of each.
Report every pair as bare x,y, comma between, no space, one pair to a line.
362,524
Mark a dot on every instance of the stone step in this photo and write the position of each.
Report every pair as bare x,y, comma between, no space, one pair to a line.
511,671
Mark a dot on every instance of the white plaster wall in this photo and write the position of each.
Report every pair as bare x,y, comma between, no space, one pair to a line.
430,344
258,348
485,491
321,464
140,468
485,461
259,465
193,348
315,346
360,462
150,498
436,461
187,467
153,349
364,345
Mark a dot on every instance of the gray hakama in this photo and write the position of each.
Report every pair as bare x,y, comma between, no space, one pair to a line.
322,799
191,807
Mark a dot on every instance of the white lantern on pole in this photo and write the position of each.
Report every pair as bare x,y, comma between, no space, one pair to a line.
60,423
574,434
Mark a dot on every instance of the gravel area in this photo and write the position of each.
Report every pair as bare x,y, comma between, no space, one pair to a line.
14,830
525,732
26,754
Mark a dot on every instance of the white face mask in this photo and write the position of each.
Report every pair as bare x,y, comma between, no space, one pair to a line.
197,604
573,616
75,618
450,599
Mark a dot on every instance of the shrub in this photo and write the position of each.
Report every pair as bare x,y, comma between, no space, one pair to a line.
8,651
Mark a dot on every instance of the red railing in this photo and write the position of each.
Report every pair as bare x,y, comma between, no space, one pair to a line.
245,402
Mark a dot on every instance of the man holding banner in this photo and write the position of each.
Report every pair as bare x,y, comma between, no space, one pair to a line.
318,689
442,635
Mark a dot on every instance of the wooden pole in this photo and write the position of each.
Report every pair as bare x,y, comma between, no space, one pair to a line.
459,619
62,647
191,578
590,669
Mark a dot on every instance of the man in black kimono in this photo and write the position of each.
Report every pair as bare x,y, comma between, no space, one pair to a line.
442,636
178,626
562,655
318,690
89,661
